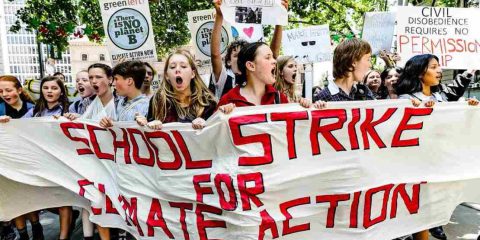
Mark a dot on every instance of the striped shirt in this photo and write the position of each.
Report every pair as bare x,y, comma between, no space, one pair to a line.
127,109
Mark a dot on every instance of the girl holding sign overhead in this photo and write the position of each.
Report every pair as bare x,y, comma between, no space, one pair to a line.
257,66
224,75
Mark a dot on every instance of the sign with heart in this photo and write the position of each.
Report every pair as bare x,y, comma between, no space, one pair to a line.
247,32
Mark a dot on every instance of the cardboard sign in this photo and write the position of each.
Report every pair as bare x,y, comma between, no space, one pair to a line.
452,34
264,12
129,29
308,45
201,26
378,30
248,32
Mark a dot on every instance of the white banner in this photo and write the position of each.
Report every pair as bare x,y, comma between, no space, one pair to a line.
357,170
201,26
264,12
308,45
378,30
128,26
451,34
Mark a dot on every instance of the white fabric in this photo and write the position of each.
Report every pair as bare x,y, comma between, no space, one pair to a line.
96,110
431,176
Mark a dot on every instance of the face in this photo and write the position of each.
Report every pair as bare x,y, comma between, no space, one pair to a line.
9,93
179,73
122,84
99,81
61,77
264,65
289,72
433,74
148,76
51,91
234,60
392,76
361,67
373,80
83,85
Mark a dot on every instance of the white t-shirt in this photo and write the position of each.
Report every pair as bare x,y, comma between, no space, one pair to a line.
222,80
96,111
437,97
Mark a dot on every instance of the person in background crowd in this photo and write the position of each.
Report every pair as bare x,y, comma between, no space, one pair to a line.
53,101
373,81
182,97
351,61
129,78
60,76
257,66
223,75
14,103
420,83
390,77
86,92
149,76
285,78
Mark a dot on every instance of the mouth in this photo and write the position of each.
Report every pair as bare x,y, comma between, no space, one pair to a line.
95,87
274,71
7,99
81,89
49,96
294,76
179,80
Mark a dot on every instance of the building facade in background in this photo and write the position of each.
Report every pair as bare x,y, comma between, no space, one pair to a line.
19,51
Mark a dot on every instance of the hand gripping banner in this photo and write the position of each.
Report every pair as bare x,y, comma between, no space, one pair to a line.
359,170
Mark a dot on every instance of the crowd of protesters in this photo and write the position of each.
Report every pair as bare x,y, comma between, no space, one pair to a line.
251,74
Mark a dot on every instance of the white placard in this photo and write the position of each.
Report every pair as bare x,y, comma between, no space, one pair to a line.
378,30
308,45
264,12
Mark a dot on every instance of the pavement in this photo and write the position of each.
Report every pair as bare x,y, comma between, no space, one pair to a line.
464,224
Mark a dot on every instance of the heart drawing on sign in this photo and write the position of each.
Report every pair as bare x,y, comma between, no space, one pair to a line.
248,31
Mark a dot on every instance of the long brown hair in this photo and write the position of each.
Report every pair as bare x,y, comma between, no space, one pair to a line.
24,96
165,97
42,102
280,83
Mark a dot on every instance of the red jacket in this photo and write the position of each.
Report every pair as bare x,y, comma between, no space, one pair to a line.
233,96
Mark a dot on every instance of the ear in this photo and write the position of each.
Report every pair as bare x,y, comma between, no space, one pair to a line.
250,66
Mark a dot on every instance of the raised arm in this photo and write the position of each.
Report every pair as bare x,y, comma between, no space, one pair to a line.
216,41
277,36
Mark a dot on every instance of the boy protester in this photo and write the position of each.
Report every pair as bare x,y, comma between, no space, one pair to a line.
128,79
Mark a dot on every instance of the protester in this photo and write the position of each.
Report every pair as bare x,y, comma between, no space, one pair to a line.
149,76
351,61
60,76
53,101
129,78
15,103
389,78
257,66
420,83
224,74
373,81
182,97
285,77
86,92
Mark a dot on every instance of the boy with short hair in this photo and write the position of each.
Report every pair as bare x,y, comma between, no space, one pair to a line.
128,79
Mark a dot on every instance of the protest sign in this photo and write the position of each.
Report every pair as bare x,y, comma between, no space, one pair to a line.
201,26
449,33
378,30
129,29
248,32
264,12
356,170
308,45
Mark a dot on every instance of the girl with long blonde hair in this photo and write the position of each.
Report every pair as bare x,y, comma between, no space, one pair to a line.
285,77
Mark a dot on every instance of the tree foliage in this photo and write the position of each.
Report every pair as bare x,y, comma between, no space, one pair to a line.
57,20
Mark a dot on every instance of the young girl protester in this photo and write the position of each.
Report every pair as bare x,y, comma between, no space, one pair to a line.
257,65
375,83
420,82
389,78
285,77
16,103
103,106
86,92
149,75
351,61
182,97
224,74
